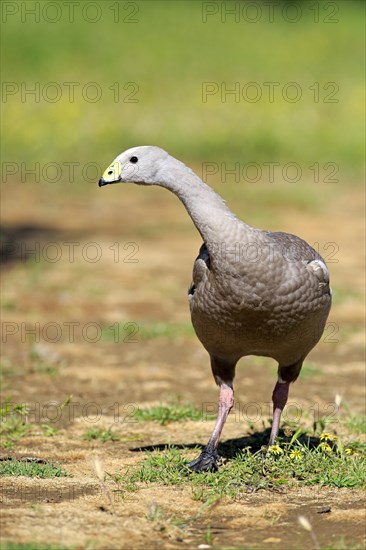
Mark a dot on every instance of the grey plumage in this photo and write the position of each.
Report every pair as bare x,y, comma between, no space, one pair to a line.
253,293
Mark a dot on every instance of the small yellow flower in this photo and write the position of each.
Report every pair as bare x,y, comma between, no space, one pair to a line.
328,437
325,447
296,454
351,452
275,449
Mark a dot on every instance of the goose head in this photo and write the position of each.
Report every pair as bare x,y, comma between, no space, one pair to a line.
144,165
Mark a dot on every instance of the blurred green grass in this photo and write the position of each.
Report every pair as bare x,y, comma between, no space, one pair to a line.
169,53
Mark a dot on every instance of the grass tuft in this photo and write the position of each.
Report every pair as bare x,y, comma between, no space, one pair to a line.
31,468
165,414
101,435
328,463
13,422
356,424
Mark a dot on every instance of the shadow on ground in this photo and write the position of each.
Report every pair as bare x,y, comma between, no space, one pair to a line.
232,448
24,242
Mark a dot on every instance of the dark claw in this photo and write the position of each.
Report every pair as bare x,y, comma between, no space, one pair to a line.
208,461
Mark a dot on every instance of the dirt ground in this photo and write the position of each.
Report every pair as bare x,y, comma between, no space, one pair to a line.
107,380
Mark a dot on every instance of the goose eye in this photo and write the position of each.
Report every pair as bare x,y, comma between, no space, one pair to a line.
134,160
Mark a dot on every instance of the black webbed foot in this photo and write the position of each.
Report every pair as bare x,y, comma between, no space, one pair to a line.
208,461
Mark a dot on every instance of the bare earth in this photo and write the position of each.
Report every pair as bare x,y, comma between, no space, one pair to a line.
108,380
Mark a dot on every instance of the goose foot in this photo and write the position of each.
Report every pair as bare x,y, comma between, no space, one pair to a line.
208,461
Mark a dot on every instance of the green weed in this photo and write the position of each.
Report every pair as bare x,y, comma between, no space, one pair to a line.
341,544
165,414
31,468
356,424
49,431
327,463
13,422
100,435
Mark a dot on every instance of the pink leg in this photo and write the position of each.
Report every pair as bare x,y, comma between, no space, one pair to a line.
209,459
226,402
279,398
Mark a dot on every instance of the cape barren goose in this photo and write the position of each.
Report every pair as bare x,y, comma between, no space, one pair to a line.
253,293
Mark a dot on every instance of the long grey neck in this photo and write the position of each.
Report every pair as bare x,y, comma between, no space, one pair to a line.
209,213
